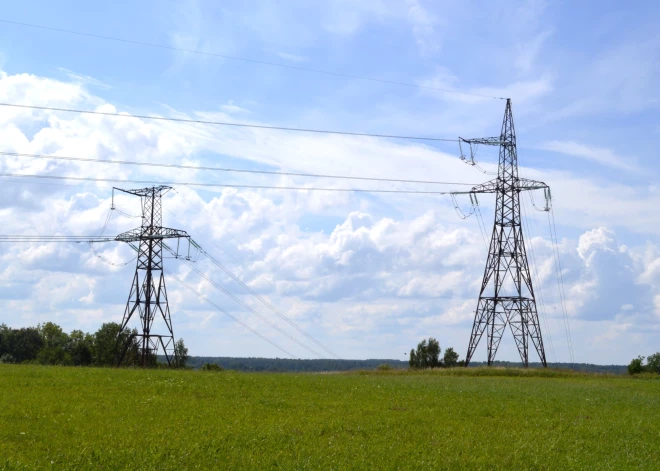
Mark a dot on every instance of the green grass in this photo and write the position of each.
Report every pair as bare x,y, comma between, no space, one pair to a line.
73,418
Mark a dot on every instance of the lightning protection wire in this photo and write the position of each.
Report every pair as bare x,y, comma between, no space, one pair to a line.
208,301
247,307
227,123
218,185
218,169
244,59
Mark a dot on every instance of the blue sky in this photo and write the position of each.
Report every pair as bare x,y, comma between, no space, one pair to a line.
369,275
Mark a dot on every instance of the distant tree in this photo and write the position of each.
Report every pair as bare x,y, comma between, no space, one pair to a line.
105,344
427,354
55,343
450,359
433,353
653,363
5,332
24,344
7,358
81,348
180,354
412,360
211,367
636,366
384,367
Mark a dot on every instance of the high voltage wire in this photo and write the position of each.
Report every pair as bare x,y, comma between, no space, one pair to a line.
218,169
218,185
207,300
250,309
244,59
560,280
265,302
226,123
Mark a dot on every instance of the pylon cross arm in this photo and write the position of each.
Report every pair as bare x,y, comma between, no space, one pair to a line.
487,141
135,235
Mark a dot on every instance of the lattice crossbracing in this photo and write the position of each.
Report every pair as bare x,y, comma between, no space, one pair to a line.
507,295
148,295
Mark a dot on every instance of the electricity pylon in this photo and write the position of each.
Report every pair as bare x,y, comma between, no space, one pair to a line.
506,296
148,295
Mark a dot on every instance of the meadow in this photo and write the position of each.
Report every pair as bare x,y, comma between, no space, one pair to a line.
101,418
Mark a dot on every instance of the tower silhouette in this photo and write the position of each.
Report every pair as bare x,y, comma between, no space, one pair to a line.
507,295
148,295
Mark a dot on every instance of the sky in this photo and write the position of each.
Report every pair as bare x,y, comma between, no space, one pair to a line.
368,275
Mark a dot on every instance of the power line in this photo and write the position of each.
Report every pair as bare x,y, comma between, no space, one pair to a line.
266,303
535,274
560,280
250,309
244,59
218,185
218,169
226,123
207,300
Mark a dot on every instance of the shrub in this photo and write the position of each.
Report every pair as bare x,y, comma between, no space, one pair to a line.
212,367
384,367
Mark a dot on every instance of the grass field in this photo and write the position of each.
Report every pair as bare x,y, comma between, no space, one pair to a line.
75,418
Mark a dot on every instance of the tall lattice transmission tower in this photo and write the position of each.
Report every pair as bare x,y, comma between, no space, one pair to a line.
507,295
148,295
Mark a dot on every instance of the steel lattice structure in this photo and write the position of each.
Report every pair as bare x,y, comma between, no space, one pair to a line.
507,295
148,295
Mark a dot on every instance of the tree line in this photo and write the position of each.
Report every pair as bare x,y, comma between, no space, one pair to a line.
652,364
48,344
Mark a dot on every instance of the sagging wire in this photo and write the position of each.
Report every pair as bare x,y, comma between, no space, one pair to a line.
187,257
236,319
548,200
250,309
105,225
105,260
458,210
127,215
473,152
560,281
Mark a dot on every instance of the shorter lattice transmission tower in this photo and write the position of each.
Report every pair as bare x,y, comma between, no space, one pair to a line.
507,296
148,295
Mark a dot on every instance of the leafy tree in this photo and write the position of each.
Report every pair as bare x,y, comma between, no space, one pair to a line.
105,344
55,342
5,332
80,348
25,343
653,363
412,360
636,366
427,354
180,354
450,359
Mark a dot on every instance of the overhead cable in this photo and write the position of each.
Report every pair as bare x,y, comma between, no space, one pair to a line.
250,309
244,59
218,185
264,301
207,300
219,169
227,123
